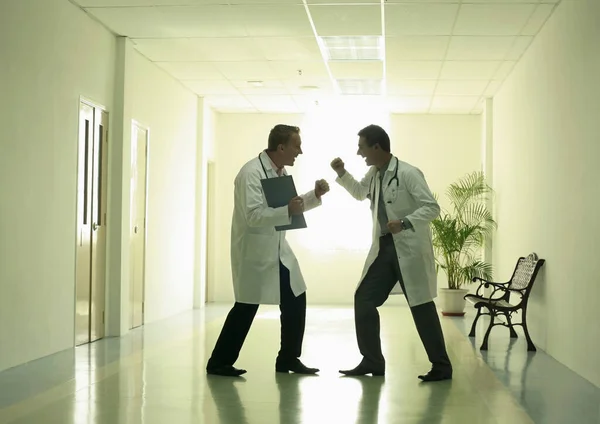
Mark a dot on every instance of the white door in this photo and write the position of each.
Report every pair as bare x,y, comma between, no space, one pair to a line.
92,176
139,155
98,237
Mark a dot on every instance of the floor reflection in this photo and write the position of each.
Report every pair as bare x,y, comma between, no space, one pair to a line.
226,398
370,399
155,375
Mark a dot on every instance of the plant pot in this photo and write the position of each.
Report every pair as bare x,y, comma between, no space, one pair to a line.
453,302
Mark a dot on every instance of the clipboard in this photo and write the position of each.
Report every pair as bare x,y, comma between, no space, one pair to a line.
278,192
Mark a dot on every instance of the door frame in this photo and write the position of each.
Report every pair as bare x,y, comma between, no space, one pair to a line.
142,126
101,107
209,252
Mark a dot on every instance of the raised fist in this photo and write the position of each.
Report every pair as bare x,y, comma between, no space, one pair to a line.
321,187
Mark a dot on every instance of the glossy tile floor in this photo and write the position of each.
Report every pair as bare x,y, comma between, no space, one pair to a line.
156,375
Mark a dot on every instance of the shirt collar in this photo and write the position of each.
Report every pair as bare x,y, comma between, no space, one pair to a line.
386,166
278,171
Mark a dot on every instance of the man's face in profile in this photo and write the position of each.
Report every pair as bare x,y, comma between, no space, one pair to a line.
291,149
366,151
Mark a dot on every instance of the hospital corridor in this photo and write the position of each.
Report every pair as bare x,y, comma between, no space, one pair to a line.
299,212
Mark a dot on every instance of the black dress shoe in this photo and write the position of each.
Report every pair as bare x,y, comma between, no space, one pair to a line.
364,369
437,375
294,366
226,371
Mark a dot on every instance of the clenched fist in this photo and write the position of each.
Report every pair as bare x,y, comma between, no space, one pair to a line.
395,226
338,166
296,206
321,187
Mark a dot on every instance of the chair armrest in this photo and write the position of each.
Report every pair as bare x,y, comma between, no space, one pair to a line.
499,287
484,284
481,285
475,279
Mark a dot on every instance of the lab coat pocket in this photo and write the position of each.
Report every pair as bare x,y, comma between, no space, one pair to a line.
395,196
405,243
260,248
390,195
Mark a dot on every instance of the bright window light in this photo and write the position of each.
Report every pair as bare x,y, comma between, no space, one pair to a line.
329,130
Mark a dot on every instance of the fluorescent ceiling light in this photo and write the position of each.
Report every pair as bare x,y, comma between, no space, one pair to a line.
354,48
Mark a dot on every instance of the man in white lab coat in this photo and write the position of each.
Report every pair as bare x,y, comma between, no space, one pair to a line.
264,268
401,258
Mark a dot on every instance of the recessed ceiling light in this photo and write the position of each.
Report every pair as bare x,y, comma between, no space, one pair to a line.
309,88
353,48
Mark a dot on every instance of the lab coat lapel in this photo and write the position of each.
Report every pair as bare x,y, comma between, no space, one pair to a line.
390,171
376,229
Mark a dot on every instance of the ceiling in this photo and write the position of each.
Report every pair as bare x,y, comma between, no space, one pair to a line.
417,56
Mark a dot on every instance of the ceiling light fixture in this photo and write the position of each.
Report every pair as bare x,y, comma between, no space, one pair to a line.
255,83
354,48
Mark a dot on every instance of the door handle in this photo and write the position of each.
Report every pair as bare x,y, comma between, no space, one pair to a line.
135,229
94,226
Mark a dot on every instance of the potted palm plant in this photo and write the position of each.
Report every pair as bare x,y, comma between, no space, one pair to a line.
459,235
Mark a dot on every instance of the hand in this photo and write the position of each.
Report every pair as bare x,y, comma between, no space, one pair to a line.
321,187
296,206
338,166
395,226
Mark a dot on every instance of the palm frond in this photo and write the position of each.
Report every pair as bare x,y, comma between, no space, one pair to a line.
470,188
478,269
458,236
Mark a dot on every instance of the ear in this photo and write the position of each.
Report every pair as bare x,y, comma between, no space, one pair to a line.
376,146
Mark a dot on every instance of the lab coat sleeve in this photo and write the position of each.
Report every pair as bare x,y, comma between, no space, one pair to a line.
358,190
427,207
258,214
311,201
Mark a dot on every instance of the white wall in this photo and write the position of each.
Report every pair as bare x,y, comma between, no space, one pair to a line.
169,110
444,147
51,53
332,250
546,150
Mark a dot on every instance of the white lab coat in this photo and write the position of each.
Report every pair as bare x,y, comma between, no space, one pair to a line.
256,247
413,200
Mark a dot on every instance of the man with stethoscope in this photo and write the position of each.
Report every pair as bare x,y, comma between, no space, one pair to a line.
402,252
264,268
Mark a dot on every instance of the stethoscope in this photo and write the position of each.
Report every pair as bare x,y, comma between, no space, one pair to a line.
395,177
263,165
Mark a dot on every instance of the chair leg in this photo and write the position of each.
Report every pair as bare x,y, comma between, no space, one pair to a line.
484,344
513,333
530,345
472,332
